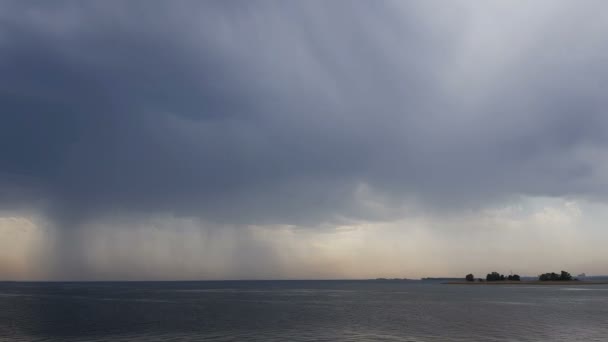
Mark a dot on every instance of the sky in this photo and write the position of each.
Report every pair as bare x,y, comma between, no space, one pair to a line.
159,140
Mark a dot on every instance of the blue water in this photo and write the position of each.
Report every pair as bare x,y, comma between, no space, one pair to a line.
300,311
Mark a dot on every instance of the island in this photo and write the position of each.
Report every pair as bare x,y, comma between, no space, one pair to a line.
550,278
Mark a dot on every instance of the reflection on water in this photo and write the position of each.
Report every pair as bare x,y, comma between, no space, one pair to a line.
300,311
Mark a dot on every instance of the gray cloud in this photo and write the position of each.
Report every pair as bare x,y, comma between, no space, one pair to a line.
272,112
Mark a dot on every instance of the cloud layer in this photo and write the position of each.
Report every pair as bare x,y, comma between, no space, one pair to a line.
309,114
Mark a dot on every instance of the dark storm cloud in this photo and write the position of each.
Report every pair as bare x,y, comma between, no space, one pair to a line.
276,112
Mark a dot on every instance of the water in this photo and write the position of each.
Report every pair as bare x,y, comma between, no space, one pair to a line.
300,311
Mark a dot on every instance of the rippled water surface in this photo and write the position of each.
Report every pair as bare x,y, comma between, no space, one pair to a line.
300,311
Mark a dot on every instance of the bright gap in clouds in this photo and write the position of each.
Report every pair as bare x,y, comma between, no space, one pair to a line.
527,237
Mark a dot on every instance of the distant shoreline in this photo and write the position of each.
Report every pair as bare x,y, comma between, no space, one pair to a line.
527,282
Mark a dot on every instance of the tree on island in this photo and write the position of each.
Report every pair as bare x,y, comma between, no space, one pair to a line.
494,276
563,276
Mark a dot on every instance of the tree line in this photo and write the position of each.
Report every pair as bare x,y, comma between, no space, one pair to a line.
563,276
495,276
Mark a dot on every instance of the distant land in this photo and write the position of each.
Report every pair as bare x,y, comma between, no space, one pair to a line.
529,282
549,278
441,279
525,280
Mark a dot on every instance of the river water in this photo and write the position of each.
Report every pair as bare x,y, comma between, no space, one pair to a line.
300,311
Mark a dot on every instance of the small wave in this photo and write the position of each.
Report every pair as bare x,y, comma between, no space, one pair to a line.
510,303
14,295
581,289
